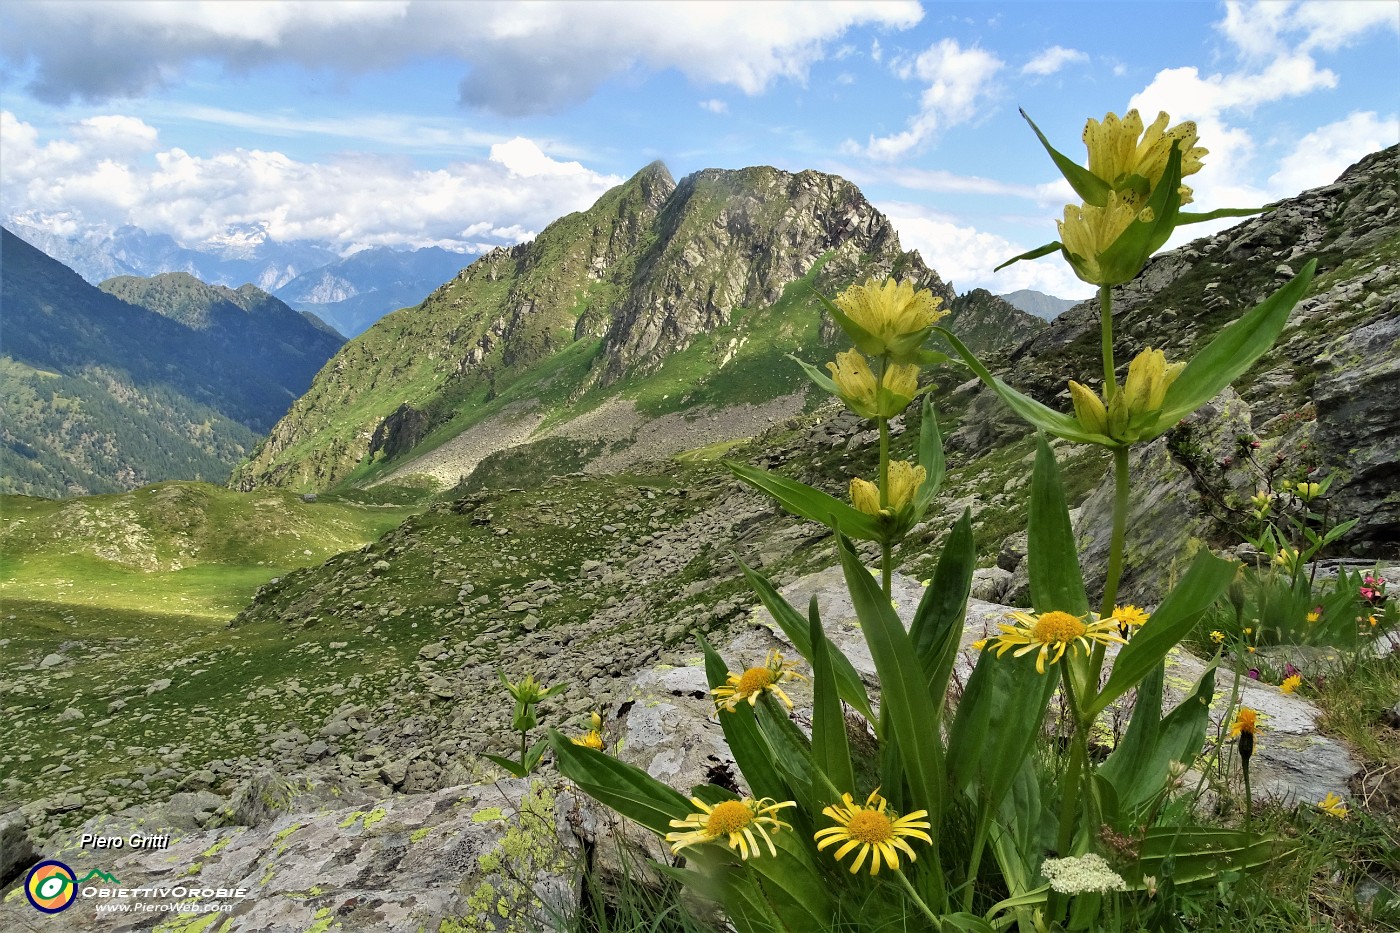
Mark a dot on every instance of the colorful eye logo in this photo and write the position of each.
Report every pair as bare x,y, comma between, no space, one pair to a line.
51,886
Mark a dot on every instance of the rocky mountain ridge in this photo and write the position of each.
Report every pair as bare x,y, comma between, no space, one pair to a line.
655,288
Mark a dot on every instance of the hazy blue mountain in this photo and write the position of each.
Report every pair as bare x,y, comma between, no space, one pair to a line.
243,255
353,293
1046,307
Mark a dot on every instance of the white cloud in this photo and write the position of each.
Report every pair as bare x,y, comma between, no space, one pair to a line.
714,105
1263,29
77,182
1052,60
521,58
1322,155
966,257
957,79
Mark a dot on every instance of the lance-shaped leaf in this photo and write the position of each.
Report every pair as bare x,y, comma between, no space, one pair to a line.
801,499
830,749
930,457
1204,582
938,622
1138,767
628,790
913,722
1202,854
1093,189
1046,250
1190,217
848,683
1233,350
1038,415
1051,550
998,720
742,735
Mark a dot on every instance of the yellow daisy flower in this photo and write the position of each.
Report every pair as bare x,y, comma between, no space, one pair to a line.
871,827
1290,683
1217,636
1130,616
755,680
1246,723
741,823
1052,631
1314,616
590,739
1333,806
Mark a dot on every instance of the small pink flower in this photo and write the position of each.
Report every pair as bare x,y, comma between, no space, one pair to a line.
1254,673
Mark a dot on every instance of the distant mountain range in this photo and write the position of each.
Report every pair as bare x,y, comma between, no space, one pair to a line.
353,293
1046,307
349,293
141,380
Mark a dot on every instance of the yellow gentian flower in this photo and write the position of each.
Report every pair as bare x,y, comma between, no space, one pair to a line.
890,313
1129,158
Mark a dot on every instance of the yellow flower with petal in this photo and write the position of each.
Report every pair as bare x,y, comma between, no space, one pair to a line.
1126,162
754,681
1314,616
1130,616
1308,491
1149,378
1288,558
1290,683
861,391
1246,723
590,739
1052,633
1087,232
740,823
1333,806
890,312
905,478
1217,636
871,828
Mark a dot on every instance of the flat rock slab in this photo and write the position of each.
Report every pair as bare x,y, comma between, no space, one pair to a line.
410,863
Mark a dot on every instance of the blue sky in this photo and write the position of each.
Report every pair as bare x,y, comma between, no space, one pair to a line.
470,125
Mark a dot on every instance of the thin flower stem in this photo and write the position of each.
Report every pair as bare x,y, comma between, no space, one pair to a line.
1078,765
1248,794
1120,530
937,923
1110,383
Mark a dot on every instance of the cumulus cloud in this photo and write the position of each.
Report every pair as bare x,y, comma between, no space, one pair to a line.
520,57
966,257
80,181
1276,44
1322,155
957,80
1052,60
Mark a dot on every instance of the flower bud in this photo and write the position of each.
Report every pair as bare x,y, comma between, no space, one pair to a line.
865,496
1088,409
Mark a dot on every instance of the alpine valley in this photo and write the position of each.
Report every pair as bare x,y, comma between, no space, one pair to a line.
295,674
